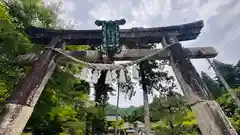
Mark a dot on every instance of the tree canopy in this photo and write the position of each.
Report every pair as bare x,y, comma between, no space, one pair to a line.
64,104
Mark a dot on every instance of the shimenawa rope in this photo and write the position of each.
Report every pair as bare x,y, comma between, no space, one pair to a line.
108,66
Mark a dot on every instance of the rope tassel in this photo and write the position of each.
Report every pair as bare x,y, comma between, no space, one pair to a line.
108,79
114,76
84,73
89,75
135,73
95,76
122,78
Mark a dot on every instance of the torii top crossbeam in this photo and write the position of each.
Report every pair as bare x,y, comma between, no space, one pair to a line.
183,32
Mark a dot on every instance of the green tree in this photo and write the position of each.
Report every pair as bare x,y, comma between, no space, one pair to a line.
171,116
99,124
14,42
137,115
231,110
230,73
155,75
28,12
64,103
212,85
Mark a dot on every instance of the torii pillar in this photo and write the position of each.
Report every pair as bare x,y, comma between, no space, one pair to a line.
19,108
210,117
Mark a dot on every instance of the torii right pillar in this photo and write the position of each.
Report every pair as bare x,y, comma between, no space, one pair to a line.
210,117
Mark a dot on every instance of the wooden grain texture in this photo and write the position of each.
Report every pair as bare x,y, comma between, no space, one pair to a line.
212,120
14,118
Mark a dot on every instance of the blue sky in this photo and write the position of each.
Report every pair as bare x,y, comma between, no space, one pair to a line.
221,18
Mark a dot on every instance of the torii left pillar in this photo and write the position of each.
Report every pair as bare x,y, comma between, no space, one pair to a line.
20,106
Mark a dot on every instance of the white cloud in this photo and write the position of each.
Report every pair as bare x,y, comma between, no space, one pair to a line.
99,14
235,9
65,13
150,9
208,9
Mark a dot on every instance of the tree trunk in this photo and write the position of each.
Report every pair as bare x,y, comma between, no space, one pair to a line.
171,121
225,84
117,110
101,97
19,108
145,100
209,115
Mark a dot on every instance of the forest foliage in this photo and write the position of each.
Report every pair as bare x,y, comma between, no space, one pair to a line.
64,104
172,116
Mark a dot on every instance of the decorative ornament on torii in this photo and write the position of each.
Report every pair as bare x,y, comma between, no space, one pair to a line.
111,36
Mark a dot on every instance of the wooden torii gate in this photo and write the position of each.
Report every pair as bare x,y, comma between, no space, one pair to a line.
210,117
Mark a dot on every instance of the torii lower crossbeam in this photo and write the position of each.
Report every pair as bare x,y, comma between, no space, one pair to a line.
126,55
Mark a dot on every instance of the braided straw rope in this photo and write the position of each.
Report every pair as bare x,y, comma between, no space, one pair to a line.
108,66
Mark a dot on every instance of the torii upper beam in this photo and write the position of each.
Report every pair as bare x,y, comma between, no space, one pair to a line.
183,32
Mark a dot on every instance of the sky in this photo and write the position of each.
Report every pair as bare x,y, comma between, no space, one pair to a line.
221,18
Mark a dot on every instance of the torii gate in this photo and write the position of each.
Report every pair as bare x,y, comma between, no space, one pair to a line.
210,117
